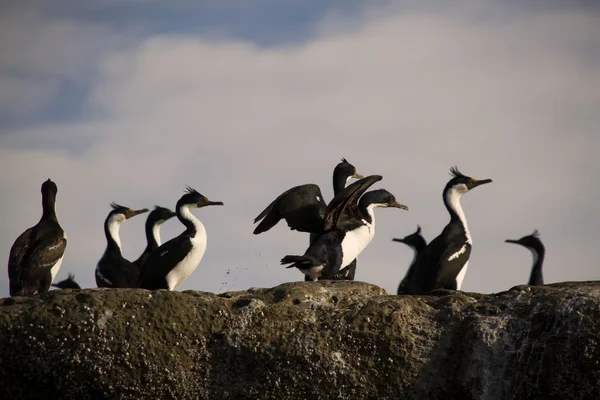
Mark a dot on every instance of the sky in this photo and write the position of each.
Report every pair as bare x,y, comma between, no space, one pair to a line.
130,101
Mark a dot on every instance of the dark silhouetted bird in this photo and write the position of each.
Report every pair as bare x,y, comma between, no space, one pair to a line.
37,254
535,245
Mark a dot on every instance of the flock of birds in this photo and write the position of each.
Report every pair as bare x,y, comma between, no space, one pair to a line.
339,231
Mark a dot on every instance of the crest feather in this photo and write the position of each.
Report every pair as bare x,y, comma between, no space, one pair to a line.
455,172
191,190
116,206
535,233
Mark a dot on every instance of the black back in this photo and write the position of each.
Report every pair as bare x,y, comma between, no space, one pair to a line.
163,259
32,256
116,271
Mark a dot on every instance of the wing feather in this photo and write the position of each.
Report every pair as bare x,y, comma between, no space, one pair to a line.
344,204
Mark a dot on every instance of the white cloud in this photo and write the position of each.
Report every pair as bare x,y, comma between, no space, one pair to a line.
405,95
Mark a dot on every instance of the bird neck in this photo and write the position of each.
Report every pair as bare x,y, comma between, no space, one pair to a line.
366,209
457,215
340,180
418,245
48,206
111,231
153,234
193,224
536,277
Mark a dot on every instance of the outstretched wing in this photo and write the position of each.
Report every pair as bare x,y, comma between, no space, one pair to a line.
302,207
344,204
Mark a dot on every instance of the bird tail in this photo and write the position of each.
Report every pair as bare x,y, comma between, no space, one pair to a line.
302,262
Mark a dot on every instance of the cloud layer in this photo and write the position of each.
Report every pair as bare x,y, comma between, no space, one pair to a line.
404,94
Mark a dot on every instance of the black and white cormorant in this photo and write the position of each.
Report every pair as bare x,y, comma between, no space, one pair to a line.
417,243
443,263
303,208
535,245
113,270
37,254
175,260
155,219
348,229
68,283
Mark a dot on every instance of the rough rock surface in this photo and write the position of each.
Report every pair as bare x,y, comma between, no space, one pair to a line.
304,340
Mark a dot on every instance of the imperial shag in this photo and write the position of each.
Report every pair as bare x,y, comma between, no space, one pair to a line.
348,228
68,283
155,219
113,270
417,243
535,245
303,208
37,254
174,261
443,263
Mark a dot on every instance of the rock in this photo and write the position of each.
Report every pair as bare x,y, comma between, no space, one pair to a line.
303,340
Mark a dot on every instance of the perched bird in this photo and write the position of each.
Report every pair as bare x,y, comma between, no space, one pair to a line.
534,244
68,283
348,228
303,208
155,219
416,242
175,260
37,254
443,263
113,270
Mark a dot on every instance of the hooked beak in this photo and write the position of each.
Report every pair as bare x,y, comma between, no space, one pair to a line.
480,182
398,205
357,176
133,213
210,203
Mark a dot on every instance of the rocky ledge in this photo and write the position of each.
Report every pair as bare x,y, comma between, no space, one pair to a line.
303,340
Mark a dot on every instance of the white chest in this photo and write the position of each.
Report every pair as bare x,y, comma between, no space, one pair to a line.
55,268
461,276
185,267
355,242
